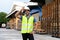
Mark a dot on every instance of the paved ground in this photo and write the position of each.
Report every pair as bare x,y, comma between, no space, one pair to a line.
11,34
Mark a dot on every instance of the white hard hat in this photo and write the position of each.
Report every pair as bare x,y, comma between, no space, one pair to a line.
27,8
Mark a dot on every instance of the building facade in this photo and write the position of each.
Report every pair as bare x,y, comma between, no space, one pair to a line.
50,16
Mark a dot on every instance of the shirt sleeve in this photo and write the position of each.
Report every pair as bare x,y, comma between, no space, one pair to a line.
21,18
34,20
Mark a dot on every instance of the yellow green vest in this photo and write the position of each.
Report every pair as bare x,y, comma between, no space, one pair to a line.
27,24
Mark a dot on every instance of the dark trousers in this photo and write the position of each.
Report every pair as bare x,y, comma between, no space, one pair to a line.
26,36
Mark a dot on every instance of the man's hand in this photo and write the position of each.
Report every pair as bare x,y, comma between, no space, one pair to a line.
32,32
18,16
22,9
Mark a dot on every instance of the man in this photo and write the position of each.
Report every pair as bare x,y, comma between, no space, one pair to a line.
27,24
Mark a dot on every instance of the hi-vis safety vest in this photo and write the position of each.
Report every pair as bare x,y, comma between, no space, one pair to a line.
27,24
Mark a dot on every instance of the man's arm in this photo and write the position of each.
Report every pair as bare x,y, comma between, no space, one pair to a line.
34,22
18,14
34,25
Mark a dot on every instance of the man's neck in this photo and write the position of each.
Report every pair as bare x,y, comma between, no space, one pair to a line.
27,15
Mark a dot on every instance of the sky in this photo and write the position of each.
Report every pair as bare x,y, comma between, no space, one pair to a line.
5,5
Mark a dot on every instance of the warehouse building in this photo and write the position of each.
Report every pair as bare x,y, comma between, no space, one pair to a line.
50,16
47,12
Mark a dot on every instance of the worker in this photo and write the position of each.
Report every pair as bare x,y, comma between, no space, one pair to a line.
28,22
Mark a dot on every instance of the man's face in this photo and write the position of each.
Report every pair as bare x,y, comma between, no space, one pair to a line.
27,12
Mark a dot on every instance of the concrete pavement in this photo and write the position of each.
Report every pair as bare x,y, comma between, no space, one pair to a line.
11,34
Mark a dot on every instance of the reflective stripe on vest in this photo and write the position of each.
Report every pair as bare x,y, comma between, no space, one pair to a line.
27,24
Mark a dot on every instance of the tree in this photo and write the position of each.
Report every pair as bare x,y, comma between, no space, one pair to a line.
3,18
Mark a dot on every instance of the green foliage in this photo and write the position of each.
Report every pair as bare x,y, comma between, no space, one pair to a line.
3,18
